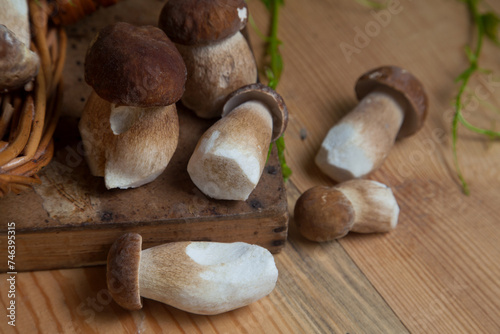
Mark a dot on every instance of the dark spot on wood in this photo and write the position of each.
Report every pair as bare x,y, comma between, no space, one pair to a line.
80,79
271,170
106,216
255,232
279,229
47,221
82,99
303,134
278,242
73,46
256,204
78,62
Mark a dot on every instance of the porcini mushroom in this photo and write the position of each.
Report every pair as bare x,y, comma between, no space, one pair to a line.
18,64
230,156
198,277
69,12
362,206
393,104
217,56
129,125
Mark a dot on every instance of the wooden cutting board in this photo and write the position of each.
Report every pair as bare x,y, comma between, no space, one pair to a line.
71,219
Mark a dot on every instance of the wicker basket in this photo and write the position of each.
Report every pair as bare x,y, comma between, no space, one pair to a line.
28,119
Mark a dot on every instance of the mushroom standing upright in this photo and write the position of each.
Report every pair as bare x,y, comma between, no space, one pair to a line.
217,56
363,206
230,156
393,104
129,125
198,277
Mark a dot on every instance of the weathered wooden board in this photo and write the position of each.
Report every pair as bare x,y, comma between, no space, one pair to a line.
70,220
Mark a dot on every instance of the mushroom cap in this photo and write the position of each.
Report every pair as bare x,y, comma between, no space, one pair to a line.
265,95
322,214
122,274
135,66
69,12
191,22
18,64
404,87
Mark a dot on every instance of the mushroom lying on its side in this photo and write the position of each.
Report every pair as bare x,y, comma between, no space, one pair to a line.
198,277
393,104
363,206
229,158
129,125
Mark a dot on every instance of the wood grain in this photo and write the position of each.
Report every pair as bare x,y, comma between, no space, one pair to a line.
436,273
320,290
438,269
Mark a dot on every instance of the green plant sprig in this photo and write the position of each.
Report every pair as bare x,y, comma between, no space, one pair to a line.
486,26
273,70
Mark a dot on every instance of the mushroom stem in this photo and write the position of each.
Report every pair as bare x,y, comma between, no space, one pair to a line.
229,159
360,142
206,277
198,277
122,118
214,71
376,209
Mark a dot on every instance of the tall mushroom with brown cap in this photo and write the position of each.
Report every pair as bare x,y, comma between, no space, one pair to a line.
217,56
129,125
363,206
230,156
393,104
18,64
198,277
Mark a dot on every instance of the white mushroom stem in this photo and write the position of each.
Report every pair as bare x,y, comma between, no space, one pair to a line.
206,277
360,142
123,117
230,156
14,15
374,204
131,149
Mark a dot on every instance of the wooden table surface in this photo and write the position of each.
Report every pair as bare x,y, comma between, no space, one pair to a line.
438,272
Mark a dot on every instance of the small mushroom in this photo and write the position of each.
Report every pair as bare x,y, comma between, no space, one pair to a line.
362,206
229,158
18,64
217,56
198,277
129,125
393,104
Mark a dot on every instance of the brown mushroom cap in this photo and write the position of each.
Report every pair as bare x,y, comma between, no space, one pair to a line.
266,95
18,64
135,66
69,12
123,271
191,22
404,87
323,214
